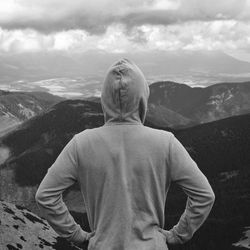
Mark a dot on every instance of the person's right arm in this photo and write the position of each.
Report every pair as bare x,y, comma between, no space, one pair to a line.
60,176
187,175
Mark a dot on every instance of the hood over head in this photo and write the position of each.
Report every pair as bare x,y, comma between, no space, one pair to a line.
125,93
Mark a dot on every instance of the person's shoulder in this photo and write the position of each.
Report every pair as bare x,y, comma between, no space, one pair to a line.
86,133
159,132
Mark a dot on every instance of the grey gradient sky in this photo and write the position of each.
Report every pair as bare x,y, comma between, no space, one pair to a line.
125,25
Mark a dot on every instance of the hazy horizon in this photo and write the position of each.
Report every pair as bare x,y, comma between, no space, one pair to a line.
198,43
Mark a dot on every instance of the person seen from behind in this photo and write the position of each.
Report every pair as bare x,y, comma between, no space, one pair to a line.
124,170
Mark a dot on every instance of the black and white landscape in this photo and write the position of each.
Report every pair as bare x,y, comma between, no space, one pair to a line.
196,58
220,147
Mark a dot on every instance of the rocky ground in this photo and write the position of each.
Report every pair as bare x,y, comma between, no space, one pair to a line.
21,229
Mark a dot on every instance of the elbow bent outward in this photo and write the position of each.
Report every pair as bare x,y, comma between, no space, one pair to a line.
44,200
40,197
56,213
191,219
211,198
188,176
54,210
196,212
203,202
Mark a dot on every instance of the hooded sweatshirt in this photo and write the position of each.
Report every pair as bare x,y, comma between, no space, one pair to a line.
124,170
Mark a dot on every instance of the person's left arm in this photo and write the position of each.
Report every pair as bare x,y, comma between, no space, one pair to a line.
61,175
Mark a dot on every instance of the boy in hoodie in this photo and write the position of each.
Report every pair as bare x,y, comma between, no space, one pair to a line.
124,170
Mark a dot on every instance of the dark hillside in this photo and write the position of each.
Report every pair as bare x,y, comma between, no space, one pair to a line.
37,143
219,146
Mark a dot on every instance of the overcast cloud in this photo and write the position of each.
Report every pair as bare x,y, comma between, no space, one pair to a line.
95,16
119,25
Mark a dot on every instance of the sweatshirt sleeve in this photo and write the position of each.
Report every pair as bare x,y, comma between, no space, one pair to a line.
60,176
188,176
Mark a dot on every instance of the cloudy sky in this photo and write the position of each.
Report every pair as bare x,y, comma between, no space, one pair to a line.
125,25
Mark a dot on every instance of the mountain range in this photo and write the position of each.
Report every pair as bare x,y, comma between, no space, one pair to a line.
16,107
213,123
179,105
171,104
37,65
44,136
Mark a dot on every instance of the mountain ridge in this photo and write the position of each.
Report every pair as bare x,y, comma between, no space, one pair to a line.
201,105
16,107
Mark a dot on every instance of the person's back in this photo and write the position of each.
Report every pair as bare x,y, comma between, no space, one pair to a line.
124,179
124,170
